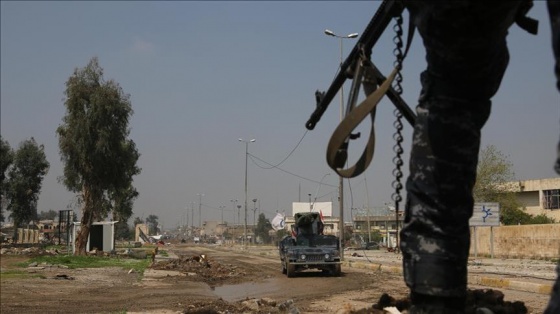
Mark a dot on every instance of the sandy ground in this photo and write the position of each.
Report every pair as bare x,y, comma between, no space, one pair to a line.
228,281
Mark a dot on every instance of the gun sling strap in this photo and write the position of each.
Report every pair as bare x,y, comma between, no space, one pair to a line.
338,143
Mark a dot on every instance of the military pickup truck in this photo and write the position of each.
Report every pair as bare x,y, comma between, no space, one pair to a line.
309,248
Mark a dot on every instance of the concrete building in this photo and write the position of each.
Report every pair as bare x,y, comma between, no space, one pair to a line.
539,196
382,220
101,236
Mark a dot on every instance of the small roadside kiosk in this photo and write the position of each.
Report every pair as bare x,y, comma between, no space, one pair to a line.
101,236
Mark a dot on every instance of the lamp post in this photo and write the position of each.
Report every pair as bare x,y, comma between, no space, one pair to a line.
254,211
234,202
200,195
192,218
254,221
238,215
368,222
246,157
340,180
222,208
187,219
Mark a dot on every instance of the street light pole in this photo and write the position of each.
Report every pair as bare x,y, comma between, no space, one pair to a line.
368,213
254,222
192,218
246,158
254,211
187,218
234,202
222,208
340,179
199,209
238,215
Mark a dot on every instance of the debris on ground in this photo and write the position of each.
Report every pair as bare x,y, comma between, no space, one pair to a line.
477,299
205,268
34,251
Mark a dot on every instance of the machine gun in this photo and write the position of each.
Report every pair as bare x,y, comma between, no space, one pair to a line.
361,70
359,67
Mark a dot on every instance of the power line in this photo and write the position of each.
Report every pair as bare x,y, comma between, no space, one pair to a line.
293,174
290,154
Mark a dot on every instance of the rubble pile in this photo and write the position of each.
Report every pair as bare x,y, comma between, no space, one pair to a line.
478,301
205,268
259,305
34,251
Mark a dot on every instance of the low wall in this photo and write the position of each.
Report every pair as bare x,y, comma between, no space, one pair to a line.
27,236
523,241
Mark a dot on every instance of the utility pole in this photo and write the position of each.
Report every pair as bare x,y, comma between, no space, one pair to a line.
254,222
254,211
246,159
222,208
200,209
234,202
340,179
192,217
187,224
368,223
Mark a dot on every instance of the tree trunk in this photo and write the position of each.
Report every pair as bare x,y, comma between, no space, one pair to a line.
86,221
16,226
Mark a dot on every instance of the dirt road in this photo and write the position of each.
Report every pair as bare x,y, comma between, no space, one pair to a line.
240,282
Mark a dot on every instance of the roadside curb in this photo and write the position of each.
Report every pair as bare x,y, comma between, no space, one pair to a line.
510,284
494,282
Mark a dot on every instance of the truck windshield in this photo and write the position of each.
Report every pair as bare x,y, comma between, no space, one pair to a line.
325,241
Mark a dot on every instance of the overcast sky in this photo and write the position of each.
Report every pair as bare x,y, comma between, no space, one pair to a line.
203,74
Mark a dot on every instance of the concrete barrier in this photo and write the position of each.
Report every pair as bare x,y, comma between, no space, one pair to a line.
523,241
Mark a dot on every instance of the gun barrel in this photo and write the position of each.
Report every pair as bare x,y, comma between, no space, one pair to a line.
386,11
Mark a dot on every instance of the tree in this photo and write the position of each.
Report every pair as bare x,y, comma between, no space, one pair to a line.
263,227
6,160
494,184
122,210
494,171
48,215
122,230
99,158
152,222
26,175
138,221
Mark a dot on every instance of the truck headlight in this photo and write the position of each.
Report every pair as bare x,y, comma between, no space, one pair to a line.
302,256
327,256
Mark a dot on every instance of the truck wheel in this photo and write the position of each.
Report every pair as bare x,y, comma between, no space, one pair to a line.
336,270
284,271
290,270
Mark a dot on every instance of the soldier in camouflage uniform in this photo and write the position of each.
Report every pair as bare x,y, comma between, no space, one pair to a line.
467,56
554,13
